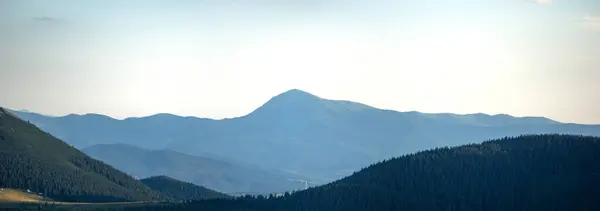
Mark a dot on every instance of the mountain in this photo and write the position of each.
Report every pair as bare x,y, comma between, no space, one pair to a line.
224,176
180,190
300,133
533,172
31,159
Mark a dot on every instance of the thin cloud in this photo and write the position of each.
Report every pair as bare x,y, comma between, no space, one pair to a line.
591,22
49,21
45,18
543,1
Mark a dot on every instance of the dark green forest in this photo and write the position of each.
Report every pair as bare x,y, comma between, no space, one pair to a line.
33,159
532,172
180,190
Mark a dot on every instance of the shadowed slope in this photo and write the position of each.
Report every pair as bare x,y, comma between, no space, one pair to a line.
33,159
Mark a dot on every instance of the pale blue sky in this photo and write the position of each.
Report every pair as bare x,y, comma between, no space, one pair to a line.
225,58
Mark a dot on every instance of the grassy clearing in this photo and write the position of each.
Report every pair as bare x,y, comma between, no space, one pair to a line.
16,196
13,199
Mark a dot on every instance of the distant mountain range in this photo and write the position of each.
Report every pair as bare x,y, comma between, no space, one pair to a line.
223,176
300,133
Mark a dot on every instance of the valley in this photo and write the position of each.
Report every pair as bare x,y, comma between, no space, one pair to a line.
223,176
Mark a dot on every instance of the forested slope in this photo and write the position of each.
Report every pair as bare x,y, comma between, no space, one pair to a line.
180,190
533,172
33,159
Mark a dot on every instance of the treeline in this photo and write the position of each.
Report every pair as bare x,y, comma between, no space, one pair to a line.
533,172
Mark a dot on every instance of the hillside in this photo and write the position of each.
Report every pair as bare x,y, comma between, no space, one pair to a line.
340,136
180,190
533,172
224,176
33,159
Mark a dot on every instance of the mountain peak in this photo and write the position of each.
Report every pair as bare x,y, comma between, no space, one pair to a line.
293,97
297,93
291,100
296,104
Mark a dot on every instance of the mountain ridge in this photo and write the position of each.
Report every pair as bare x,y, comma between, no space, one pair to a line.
340,136
292,93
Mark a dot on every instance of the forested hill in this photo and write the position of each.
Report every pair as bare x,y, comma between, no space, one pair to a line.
534,172
180,190
33,159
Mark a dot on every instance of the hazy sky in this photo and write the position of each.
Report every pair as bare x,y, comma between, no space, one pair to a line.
224,58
